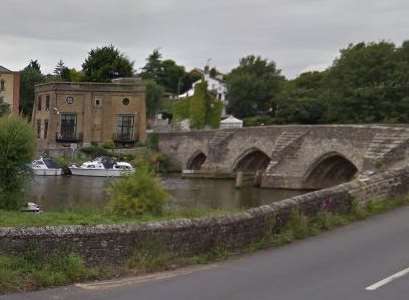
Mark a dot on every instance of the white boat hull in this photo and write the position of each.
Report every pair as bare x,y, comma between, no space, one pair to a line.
98,172
47,172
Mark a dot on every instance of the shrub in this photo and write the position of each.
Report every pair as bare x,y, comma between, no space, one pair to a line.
137,194
17,148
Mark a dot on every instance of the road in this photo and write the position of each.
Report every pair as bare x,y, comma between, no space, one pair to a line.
353,262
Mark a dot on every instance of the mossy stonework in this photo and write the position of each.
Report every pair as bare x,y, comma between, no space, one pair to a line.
115,244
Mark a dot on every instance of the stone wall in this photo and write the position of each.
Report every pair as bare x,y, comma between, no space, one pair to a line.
113,244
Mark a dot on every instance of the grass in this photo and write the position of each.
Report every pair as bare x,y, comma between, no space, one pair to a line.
29,271
90,217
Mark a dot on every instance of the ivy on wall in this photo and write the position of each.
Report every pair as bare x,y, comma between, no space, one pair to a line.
202,109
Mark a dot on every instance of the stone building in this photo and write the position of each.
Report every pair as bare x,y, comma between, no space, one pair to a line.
10,88
71,115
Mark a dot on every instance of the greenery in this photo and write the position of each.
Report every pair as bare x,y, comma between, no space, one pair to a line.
253,86
29,271
154,94
168,74
137,194
30,76
106,63
17,147
202,109
97,217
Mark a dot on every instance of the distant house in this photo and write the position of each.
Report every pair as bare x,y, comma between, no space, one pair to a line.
10,88
215,85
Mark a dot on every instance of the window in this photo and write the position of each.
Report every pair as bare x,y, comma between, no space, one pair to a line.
2,85
68,126
45,129
125,128
38,129
39,105
47,102
125,101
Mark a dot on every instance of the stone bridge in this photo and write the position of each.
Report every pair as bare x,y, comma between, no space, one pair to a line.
290,157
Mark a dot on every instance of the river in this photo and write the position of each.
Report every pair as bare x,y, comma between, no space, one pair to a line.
73,192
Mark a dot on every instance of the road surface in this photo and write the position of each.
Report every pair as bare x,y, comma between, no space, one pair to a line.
365,260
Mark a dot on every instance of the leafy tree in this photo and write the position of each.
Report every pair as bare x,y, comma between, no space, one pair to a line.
104,64
17,147
166,73
154,94
30,76
252,86
172,76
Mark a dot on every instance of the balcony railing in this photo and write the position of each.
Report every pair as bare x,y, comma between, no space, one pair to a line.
74,138
124,138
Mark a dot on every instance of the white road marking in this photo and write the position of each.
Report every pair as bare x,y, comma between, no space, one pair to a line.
110,284
388,280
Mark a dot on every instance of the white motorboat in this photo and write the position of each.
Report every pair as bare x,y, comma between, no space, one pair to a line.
102,167
45,167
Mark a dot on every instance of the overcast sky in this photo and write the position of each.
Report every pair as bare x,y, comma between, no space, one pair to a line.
299,35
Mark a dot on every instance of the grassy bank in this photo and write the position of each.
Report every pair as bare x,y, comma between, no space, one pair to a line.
90,217
28,271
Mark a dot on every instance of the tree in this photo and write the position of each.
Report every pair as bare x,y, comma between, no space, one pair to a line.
17,147
252,86
153,68
30,76
59,69
154,94
106,63
166,73
362,84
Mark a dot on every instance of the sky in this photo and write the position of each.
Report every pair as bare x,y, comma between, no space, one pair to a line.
299,35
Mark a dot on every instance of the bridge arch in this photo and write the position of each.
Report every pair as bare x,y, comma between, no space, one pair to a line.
196,161
251,160
329,170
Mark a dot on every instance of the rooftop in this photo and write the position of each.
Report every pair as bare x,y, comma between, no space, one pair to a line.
4,70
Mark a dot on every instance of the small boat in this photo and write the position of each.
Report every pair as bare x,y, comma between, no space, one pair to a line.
102,167
45,167
31,207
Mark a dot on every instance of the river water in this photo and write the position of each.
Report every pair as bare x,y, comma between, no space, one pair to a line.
73,192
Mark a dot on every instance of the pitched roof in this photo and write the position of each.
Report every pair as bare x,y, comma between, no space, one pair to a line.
4,70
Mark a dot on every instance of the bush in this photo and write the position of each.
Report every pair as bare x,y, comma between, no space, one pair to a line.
137,194
17,148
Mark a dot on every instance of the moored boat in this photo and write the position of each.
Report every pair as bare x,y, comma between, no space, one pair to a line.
45,167
102,167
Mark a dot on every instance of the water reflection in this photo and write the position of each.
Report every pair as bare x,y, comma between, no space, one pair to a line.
61,193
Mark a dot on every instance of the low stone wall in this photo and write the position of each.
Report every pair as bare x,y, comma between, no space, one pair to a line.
113,244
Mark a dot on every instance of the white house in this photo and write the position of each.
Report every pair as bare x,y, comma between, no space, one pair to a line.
215,85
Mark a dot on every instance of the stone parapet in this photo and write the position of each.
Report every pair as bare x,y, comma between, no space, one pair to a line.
114,244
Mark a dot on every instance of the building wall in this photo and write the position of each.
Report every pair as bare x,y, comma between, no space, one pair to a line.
11,93
96,106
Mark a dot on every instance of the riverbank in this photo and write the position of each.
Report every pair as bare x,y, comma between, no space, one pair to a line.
30,271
